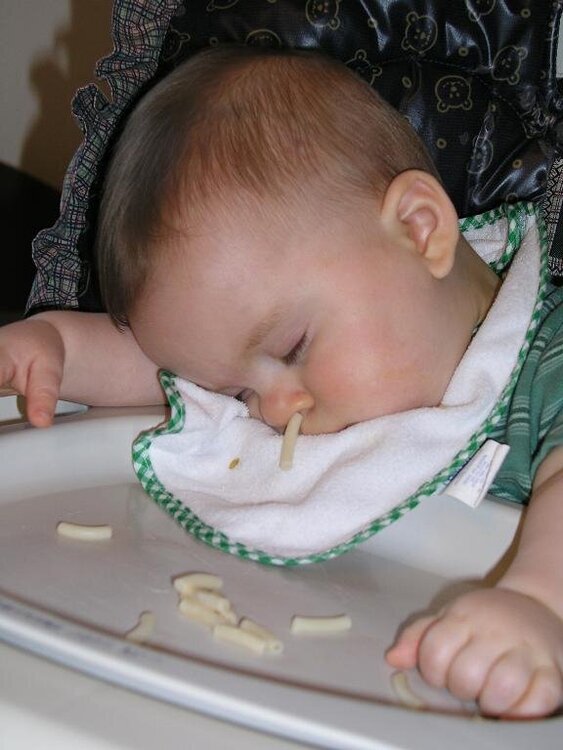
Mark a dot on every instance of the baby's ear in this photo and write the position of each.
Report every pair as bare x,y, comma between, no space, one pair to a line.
417,210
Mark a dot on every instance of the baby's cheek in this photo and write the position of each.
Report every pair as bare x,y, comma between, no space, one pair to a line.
360,394
344,387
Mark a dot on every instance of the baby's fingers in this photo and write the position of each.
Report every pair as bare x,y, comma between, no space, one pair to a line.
7,370
509,684
42,393
404,652
440,647
544,695
496,679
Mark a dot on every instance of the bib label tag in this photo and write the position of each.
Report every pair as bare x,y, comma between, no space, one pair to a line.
473,481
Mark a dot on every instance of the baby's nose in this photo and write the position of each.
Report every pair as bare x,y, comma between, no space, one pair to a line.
278,405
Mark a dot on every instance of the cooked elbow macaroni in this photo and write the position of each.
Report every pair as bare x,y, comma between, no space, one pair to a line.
217,603
200,601
320,625
289,441
198,612
83,532
189,582
404,692
232,634
143,629
273,643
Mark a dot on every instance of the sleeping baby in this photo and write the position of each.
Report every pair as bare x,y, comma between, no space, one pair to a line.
275,240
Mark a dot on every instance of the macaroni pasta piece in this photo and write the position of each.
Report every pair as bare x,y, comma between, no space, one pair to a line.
216,602
232,634
200,601
198,612
189,582
320,625
273,643
289,440
143,629
404,692
83,532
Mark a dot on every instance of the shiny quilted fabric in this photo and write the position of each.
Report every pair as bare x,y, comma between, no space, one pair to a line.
476,79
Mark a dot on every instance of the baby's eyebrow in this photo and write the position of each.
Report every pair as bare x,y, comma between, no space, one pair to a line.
261,331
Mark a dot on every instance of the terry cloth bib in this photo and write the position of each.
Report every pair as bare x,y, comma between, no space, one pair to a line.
215,469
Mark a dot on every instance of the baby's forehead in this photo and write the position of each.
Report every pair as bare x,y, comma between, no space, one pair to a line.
235,231
237,247
236,218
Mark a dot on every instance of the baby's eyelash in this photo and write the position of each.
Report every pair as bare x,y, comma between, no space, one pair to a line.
293,356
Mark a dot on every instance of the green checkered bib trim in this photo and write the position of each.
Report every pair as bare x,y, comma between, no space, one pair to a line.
516,216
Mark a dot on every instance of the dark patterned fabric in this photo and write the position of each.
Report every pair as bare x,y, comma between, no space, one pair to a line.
553,214
476,79
63,254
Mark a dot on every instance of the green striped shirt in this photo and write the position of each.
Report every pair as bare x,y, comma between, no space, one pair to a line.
533,423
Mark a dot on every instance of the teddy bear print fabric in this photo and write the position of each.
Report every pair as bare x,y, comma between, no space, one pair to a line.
470,76
475,78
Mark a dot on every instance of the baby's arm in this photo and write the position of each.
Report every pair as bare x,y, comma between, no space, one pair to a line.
78,356
503,646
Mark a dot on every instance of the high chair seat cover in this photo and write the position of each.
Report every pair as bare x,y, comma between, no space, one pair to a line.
476,78
215,470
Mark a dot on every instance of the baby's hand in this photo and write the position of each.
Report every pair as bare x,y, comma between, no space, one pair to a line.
496,646
31,361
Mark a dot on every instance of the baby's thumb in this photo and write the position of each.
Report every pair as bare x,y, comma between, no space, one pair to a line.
403,653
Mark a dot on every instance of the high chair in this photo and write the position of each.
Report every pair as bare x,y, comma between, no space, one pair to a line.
477,79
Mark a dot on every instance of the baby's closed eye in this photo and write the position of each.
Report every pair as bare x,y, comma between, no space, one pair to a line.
295,354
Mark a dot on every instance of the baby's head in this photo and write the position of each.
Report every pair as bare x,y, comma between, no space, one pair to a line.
270,228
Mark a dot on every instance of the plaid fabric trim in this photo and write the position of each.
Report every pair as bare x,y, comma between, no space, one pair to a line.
515,216
553,212
139,29
189,521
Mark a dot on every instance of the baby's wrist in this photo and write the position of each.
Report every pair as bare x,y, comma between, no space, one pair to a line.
539,591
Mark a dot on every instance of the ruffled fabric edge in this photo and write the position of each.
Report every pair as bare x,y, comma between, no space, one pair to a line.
138,31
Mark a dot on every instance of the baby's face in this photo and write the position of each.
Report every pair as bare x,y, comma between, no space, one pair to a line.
318,314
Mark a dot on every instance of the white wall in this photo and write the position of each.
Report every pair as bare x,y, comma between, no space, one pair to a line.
48,48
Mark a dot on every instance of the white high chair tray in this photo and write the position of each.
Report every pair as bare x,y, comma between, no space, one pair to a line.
72,601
